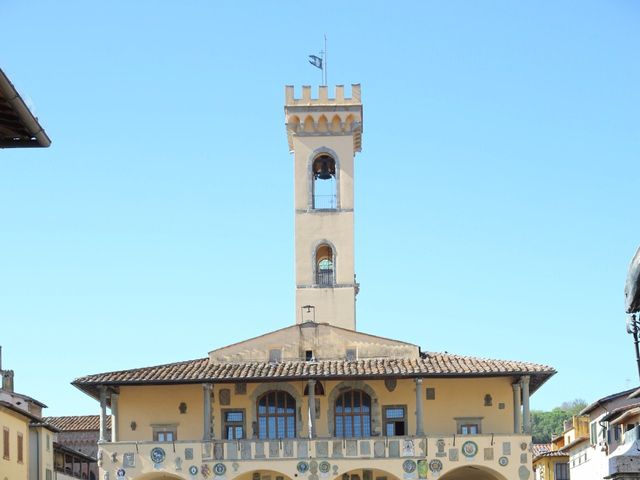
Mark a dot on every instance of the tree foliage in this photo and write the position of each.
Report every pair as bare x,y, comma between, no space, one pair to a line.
545,424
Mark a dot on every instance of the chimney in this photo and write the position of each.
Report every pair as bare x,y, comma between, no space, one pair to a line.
7,376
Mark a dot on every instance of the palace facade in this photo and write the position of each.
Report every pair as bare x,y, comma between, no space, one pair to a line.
319,399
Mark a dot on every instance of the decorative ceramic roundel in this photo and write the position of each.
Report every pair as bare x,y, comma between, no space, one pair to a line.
193,470
219,469
302,467
435,466
409,466
157,455
503,461
120,473
469,449
324,467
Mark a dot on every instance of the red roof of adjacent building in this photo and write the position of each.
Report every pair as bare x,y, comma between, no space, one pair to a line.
77,422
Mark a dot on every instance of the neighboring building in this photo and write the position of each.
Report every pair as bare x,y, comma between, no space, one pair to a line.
80,434
601,442
18,126
319,399
28,442
549,461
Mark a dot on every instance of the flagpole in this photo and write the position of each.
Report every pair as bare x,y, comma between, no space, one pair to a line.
324,64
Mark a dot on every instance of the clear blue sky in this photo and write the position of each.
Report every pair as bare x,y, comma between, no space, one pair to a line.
496,200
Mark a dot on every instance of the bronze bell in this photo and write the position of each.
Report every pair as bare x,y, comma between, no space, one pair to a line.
324,173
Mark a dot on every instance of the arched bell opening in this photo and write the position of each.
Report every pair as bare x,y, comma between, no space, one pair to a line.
323,171
325,271
473,472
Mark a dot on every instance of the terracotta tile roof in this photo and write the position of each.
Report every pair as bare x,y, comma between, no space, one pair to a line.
77,422
539,448
429,365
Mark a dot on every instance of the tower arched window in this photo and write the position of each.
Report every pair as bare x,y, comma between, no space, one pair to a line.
324,182
352,414
325,276
276,415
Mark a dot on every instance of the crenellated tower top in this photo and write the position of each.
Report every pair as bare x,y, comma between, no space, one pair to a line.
324,115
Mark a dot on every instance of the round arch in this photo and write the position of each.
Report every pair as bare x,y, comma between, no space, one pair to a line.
158,476
318,152
372,474
473,472
267,387
334,259
356,385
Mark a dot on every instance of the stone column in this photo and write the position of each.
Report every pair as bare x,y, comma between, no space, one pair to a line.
312,408
419,409
115,416
103,413
526,416
206,418
517,427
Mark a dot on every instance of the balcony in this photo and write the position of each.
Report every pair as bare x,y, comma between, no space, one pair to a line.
505,453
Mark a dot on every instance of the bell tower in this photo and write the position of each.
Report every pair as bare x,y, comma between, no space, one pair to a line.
324,135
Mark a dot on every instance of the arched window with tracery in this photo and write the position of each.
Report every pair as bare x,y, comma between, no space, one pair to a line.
324,182
352,413
324,266
276,415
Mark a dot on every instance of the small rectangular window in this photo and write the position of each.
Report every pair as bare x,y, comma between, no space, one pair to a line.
395,421
275,355
308,355
431,393
165,433
351,354
5,443
469,425
20,448
469,429
233,424
561,471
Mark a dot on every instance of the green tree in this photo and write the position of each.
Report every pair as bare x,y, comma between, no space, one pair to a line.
545,424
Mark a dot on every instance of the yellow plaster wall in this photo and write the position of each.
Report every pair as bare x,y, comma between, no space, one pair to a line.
15,423
545,467
158,405
44,448
149,405
465,398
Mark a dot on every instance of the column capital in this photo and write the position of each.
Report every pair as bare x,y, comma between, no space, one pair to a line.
516,386
525,379
418,379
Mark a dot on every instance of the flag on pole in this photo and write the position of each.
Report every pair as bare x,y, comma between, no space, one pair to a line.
315,61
